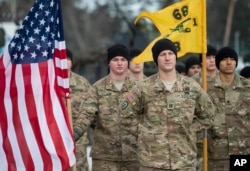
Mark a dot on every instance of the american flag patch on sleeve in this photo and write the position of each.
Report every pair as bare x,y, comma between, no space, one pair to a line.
130,97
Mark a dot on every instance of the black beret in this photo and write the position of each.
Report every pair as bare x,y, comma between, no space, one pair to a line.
224,53
160,45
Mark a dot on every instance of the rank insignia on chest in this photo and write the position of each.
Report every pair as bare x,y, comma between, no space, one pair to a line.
186,90
170,106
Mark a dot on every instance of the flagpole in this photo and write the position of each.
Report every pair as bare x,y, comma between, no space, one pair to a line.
204,86
205,159
68,104
68,101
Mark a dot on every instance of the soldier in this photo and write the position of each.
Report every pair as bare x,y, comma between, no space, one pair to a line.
211,72
135,70
230,133
172,107
114,147
180,67
192,66
245,72
79,86
211,69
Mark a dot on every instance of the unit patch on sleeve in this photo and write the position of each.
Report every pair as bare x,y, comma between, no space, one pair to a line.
124,105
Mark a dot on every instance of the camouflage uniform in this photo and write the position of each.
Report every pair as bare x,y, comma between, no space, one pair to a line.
230,133
170,119
134,79
113,141
210,80
114,145
78,87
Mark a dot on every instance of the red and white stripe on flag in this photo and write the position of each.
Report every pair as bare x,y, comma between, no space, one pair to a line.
35,133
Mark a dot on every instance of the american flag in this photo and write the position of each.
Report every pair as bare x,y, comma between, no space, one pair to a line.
35,132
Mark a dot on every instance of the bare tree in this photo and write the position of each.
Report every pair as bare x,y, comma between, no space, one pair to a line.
229,22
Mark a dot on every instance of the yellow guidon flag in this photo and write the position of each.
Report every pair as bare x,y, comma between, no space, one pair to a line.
183,22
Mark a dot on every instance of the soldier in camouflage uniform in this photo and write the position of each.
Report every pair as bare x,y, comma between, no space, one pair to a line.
211,72
135,70
245,72
192,66
173,108
114,147
79,87
230,133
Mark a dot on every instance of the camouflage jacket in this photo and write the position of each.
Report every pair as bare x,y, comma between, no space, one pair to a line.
198,77
113,141
169,121
79,88
83,104
230,133
210,81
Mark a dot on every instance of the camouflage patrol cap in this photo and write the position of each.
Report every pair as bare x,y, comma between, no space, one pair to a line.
224,53
161,45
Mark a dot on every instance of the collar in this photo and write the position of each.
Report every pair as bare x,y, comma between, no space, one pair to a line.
159,86
237,83
109,85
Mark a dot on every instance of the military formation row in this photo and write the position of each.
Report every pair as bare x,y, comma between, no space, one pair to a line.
156,123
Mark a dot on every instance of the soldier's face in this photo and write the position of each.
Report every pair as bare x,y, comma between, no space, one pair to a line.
167,61
69,63
193,70
136,68
118,65
227,65
210,63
